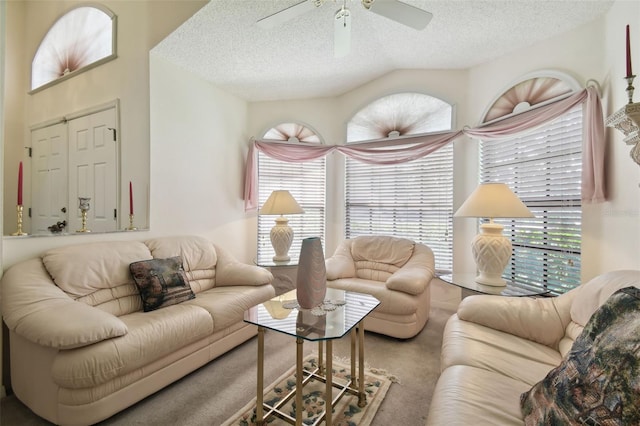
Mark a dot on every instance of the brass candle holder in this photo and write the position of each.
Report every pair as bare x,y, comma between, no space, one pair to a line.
84,206
19,231
131,227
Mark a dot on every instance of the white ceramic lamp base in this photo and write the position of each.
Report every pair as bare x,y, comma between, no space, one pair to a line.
281,239
491,251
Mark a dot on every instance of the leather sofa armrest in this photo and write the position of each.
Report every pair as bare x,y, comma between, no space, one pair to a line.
341,264
413,280
415,276
541,320
36,309
231,272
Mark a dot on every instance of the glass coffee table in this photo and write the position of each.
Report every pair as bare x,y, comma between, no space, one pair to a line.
342,313
469,286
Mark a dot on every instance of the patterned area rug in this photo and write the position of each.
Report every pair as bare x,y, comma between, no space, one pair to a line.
345,413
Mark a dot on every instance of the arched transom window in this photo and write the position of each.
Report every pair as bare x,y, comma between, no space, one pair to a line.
82,37
401,114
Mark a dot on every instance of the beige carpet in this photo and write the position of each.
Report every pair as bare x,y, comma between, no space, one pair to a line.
212,394
346,411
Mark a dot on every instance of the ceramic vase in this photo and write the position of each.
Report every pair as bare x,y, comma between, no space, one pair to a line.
311,281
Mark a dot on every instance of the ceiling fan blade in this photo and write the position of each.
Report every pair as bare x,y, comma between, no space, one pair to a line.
285,15
403,13
342,33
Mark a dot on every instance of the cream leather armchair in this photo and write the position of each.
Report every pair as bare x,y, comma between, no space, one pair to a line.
396,271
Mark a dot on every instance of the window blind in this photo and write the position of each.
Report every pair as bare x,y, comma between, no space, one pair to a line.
306,182
544,169
410,200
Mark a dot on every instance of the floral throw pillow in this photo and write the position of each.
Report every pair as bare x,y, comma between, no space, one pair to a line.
598,383
161,282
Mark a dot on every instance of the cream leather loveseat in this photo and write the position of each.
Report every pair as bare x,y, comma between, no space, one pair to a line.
496,348
81,346
396,271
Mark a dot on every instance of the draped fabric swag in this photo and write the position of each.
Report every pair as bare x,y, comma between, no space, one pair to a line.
406,149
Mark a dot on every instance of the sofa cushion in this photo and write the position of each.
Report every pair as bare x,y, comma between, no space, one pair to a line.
151,336
227,305
468,343
162,282
466,396
83,269
196,252
598,381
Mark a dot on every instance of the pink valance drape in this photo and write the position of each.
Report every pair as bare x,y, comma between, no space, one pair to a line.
411,148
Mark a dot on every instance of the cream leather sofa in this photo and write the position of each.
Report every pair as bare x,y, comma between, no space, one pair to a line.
396,271
495,348
81,347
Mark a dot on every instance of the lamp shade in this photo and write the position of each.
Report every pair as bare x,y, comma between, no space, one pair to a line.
281,202
493,200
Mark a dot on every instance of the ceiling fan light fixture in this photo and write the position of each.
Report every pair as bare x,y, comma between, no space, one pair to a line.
395,10
342,32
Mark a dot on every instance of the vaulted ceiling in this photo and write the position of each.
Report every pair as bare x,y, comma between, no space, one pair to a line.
222,44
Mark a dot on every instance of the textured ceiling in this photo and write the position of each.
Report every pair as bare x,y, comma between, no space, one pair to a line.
222,44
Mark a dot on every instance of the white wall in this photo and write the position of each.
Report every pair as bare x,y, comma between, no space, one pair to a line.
2,84
612,229
197,160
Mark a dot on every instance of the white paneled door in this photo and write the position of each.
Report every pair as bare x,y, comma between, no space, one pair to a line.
49,176
92,170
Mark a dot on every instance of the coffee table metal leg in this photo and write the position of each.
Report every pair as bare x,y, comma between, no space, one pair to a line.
353,358
320,362
260,390
299,349
362,398
328,392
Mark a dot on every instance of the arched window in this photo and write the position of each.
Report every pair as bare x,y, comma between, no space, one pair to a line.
412,200
305,181
83,37
544,168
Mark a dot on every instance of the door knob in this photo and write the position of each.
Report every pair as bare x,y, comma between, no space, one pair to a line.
63,210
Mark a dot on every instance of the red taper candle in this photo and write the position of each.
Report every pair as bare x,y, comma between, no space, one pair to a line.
20,184
629,72
130,198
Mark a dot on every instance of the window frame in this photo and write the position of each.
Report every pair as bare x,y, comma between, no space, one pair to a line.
442,245
547,249
312,223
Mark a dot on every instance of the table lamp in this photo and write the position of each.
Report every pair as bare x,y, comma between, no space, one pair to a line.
492,250
281,202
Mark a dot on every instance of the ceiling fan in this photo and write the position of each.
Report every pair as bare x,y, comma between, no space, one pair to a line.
395,10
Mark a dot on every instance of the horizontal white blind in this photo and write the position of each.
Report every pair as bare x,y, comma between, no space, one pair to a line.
544,169
410,200
306,182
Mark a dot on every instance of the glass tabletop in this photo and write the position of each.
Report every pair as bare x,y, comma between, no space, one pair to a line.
272,263
341,311
512,288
